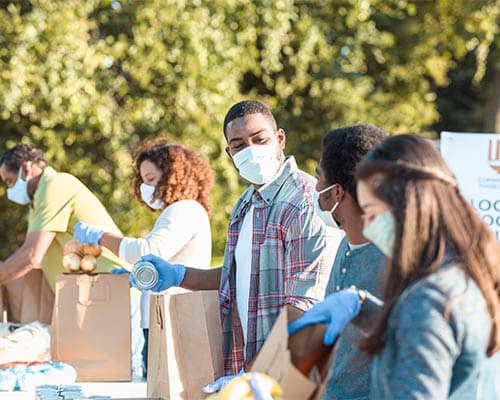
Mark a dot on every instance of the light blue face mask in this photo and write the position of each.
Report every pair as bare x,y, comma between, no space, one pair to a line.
19,192
257,164
325,215
381,232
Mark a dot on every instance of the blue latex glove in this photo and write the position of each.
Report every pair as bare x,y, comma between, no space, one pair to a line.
120,271
218,384
336,310
168,274
86,233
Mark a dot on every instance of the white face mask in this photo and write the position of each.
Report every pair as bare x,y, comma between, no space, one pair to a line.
19,192
147,192
382,232
325,215
257,164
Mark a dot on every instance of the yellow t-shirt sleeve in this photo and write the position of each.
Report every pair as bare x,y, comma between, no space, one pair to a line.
52,207
61,200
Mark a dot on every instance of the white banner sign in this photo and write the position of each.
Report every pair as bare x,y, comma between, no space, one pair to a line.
474,158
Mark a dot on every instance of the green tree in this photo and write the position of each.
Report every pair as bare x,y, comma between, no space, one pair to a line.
89,81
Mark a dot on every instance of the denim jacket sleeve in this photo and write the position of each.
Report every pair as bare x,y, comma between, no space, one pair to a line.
426,339
435,341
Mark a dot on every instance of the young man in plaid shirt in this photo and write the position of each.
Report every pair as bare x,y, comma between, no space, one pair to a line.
278,252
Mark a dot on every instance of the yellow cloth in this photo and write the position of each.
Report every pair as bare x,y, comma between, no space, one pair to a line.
59,202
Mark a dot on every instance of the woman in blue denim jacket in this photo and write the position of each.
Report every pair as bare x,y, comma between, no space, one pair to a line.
441,313
441,316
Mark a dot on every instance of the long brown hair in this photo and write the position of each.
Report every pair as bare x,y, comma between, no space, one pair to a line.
432,217
186,175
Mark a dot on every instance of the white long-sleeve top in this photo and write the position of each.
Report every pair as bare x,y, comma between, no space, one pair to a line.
181,235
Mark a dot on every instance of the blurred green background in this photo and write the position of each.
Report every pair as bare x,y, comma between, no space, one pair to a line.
88,81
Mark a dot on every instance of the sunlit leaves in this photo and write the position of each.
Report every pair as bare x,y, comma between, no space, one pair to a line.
89,81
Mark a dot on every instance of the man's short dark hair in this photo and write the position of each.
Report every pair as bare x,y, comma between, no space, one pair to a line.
344,148
14,157
248,107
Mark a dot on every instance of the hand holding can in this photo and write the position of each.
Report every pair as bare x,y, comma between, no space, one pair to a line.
156,274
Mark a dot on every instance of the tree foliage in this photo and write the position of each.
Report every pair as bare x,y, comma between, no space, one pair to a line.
89,81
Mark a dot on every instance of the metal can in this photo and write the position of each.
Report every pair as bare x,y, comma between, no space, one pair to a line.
145,275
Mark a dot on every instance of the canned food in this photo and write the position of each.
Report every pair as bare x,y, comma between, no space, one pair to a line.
145,275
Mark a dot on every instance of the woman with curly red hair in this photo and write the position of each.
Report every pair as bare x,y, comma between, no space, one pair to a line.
176,181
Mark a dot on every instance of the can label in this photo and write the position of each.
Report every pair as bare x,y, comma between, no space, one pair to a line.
145,275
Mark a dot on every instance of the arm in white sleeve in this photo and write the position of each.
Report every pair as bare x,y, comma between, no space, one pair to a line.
175,226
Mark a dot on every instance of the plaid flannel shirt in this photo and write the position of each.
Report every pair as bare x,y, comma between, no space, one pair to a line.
292,255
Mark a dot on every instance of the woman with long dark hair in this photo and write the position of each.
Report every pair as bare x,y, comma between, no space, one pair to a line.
441,313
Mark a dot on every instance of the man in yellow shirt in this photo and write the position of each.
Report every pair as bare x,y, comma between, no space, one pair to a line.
57,200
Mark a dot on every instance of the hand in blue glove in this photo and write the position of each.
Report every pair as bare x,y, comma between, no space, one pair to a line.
168,274
218,384
120,271
336,310
86,233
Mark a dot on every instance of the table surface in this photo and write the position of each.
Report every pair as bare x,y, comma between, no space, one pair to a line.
116,390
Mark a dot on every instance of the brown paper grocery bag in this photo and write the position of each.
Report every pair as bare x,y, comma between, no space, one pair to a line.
29,299
3,309
91,326
274,359
185,344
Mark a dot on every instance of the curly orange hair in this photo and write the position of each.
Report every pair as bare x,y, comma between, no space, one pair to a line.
186,174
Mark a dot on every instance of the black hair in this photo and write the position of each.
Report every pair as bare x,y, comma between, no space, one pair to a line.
344,148
248,107
14,157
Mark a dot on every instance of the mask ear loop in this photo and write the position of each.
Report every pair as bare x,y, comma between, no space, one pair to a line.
327,188
19,173
337,202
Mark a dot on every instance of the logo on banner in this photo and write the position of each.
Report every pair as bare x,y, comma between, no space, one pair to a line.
494,154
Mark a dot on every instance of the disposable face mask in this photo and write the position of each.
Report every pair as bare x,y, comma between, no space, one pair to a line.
147,192
19,192
381,232
257,164
325,215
